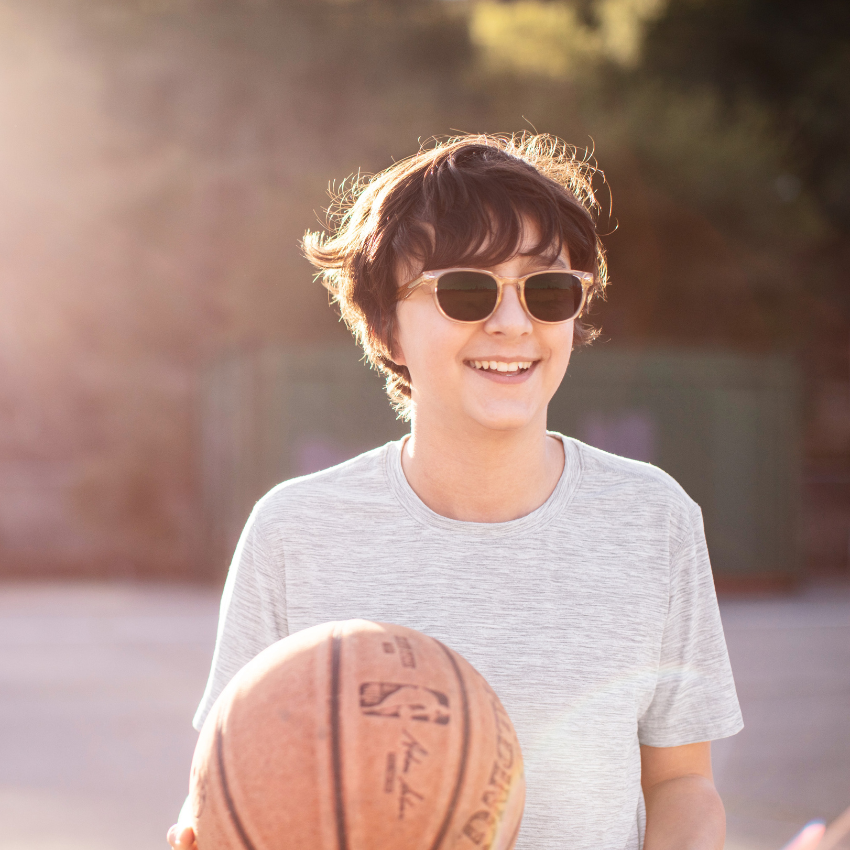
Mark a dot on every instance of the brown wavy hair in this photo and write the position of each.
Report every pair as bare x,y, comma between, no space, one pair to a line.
460,202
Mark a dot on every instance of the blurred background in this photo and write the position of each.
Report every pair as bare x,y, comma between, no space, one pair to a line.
166,357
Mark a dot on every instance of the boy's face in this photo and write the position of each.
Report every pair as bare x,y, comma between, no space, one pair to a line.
441,355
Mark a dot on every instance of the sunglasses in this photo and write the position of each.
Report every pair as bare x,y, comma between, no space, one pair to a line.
474,295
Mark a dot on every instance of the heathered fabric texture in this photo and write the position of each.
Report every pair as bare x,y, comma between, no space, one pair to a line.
594,618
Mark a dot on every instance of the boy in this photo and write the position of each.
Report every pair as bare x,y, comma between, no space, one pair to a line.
577,582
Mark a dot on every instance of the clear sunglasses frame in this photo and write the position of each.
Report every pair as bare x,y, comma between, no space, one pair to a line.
431,279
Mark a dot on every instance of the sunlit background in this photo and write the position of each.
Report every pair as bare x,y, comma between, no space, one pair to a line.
166,357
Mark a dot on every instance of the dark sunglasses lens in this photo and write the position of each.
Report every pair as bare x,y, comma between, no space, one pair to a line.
553,296
467,296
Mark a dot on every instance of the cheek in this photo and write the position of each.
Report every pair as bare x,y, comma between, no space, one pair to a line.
423,340
560,344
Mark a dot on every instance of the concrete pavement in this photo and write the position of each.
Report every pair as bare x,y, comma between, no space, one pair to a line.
97,688
98,684
791,763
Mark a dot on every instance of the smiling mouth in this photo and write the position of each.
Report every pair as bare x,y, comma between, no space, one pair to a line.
507,368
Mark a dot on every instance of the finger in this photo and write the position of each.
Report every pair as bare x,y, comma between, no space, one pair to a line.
186,839
181,837
808,838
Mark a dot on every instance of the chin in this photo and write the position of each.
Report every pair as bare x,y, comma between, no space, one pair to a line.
505,420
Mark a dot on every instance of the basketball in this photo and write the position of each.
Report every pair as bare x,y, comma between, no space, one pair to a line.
357,736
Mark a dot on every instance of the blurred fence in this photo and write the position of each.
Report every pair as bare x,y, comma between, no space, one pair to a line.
726,426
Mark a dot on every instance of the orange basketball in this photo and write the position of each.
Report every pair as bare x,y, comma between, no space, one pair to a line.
357,736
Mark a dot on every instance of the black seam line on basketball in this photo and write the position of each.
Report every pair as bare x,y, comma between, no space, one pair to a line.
231,808
464,752
336,749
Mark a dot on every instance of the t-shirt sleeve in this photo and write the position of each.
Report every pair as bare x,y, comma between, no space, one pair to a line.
694,698
253,612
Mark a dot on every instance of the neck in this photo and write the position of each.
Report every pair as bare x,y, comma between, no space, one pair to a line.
492,476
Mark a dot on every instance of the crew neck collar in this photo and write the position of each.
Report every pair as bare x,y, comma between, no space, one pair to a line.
557,501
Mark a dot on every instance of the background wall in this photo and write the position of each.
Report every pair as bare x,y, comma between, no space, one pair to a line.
160,160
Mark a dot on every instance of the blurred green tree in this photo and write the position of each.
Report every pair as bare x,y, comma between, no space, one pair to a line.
793,56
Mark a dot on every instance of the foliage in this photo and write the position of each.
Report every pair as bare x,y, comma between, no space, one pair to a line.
559,39
792,56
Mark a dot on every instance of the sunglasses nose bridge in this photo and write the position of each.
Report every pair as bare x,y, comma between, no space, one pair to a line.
517,284
510,282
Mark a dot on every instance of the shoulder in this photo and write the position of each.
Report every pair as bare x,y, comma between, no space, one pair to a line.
604,469
631,486
361,481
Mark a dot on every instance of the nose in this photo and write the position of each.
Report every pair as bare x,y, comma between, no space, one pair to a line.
510,318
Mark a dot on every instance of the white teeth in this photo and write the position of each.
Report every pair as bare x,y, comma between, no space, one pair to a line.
501,366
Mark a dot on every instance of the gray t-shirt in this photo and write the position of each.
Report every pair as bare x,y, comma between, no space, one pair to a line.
594,617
